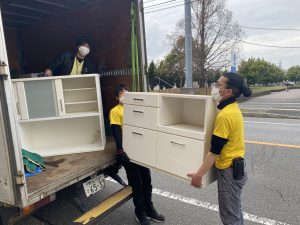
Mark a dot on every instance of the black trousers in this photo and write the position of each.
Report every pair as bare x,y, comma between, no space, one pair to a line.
139,178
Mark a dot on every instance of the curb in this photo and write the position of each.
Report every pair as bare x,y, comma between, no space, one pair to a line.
268,115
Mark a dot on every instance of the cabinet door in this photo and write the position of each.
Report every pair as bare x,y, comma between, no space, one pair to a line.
178,155
140,145
21,100
41,98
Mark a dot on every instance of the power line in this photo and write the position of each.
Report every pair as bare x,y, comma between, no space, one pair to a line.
246,42
150,1
265,28
162,3
181,4
268,46
170,7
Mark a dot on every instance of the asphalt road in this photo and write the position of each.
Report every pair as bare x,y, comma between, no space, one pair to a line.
271,195
284,103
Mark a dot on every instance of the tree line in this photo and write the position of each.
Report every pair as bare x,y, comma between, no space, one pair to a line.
257,71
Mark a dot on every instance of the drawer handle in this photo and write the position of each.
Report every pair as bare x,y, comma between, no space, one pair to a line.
136,111
137,133
138,99
176,143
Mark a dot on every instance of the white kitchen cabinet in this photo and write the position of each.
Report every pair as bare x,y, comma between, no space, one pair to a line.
60,115
183,125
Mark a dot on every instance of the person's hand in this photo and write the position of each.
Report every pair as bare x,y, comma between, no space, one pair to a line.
122,158
196,180
48,73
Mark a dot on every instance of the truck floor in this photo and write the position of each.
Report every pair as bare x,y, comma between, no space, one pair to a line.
65,167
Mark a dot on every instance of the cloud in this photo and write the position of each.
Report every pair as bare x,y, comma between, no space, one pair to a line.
252,13
158,25
270,14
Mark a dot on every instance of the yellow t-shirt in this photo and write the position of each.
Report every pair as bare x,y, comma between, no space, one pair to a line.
230,125
77,67
116,115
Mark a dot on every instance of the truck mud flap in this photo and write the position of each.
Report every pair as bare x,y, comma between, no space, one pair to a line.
105,207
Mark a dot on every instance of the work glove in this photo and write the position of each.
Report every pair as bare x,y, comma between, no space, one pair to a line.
122,158
42,74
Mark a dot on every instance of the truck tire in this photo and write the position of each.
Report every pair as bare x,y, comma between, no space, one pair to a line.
6,214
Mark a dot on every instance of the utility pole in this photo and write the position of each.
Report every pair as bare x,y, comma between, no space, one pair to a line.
280,64
188,45
233,61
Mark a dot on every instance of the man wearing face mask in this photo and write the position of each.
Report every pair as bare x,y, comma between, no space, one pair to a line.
227,149
72,63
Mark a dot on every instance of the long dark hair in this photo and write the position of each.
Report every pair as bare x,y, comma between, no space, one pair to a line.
236,84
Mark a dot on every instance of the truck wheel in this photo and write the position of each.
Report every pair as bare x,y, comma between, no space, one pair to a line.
6,214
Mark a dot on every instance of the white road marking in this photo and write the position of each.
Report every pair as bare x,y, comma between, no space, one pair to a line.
288,124
207,205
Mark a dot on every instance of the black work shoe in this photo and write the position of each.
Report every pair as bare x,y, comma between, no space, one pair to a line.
142,219
155,216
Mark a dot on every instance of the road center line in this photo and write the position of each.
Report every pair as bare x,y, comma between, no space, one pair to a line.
207,205
272,144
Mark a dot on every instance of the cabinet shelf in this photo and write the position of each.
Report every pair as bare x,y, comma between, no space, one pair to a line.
185,130
67,116
79,89
183,115
81,102
181,126
46,152
79,83
64,136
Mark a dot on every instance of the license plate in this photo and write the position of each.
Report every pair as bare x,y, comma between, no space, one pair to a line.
94,185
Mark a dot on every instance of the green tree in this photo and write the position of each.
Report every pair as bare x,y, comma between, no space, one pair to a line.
293,73
260,71
171,68
151,75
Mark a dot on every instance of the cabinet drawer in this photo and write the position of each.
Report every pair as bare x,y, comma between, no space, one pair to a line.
141,98
140,116
140,144
178,155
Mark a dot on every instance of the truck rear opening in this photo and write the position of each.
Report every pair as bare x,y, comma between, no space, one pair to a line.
37,31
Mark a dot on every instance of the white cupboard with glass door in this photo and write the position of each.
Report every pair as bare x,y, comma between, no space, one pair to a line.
60,115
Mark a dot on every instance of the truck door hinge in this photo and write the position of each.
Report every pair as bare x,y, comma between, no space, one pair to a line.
3,66
20,178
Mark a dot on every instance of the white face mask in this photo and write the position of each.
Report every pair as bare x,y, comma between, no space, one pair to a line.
215,93
121,99
84,50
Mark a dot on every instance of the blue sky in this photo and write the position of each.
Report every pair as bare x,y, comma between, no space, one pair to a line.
253,13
